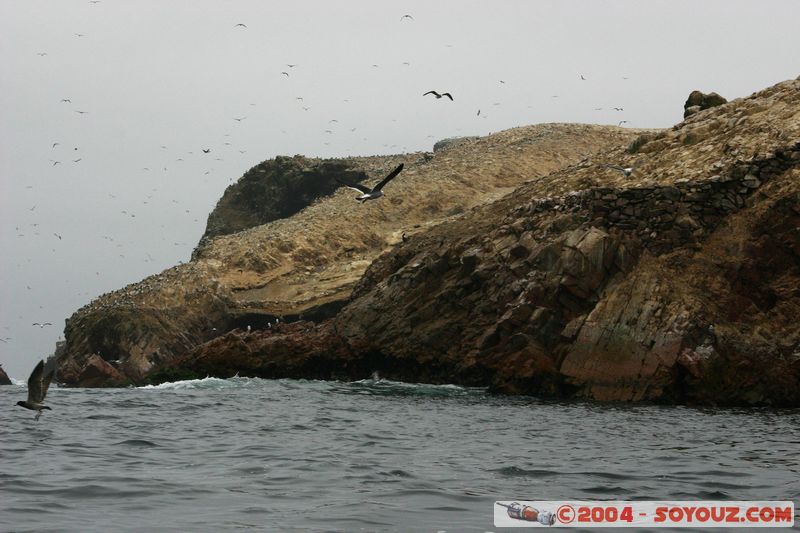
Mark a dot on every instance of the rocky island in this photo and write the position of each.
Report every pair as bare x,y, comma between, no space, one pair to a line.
518,261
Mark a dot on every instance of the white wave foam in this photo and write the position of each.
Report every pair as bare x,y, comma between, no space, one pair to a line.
205,383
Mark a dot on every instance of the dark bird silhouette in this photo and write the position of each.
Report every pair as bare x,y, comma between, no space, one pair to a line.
239,119
57,235
38,383
77,160
621,122
66,100
240,24
407,17
42,324
479,113
617,109
437,95
584,79
206,150
375,192
81,112
55,144
285,73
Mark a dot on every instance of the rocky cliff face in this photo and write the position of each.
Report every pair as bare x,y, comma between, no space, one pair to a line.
679,283
262,259
518,261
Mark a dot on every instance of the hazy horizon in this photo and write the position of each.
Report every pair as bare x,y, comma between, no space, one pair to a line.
112,185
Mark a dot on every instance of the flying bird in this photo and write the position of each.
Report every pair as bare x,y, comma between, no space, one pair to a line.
291,65
55,144
206,150
584,79
38,383
406,17
437,95
42,324
375,192
41,54
57,235
81,112
240,24
66,100
627,171
621,122
239,119
285,73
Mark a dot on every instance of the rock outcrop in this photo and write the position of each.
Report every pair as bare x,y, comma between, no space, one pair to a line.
678,283
4,379
303,265
698,101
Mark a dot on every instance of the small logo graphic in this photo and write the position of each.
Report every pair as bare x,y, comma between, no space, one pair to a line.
528,513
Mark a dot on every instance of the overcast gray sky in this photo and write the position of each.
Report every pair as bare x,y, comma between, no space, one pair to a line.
158,81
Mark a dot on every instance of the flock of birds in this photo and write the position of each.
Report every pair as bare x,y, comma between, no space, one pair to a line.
39,381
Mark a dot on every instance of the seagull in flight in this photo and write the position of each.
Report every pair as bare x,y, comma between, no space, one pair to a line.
621,122
407,17
285,73
437,95
239,119
42,324
375,192
206,150
625,170
38,383
240,24
66,100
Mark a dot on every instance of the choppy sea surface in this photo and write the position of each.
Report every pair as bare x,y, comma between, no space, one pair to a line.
258,455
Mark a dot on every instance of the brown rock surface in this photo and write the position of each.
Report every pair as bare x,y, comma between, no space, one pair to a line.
306,265
680,283
527,267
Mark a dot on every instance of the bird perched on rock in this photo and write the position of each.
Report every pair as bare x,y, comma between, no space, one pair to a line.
375,192
625,170
38,383
437,95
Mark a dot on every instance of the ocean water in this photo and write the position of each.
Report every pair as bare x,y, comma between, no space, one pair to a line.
257,455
